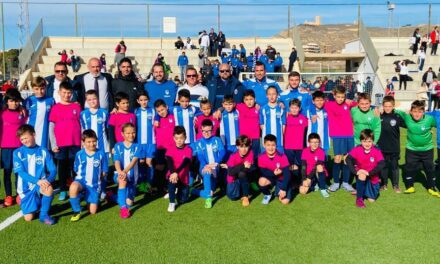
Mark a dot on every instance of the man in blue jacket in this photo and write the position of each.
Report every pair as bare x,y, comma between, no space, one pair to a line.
182,62
160,87
260,83
224,84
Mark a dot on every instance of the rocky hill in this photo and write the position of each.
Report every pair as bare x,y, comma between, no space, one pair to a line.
332,37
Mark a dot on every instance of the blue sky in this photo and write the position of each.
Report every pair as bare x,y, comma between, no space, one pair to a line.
259,20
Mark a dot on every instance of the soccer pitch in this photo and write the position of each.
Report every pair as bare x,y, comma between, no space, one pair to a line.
397,228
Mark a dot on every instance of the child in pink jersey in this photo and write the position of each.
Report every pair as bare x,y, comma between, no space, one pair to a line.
240,165
205,107
294,139
341,131
164,133
120,118
11,119
65,135
366,161
249,120
178,158
274,169
313,167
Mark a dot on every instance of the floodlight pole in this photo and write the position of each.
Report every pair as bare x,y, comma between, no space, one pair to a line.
3,42
218,18
288,21
76,20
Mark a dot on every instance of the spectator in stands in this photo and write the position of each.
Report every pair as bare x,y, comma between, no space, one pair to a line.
204,43
221,42
74,61
120,51
237,66
434,35
257,53
278,63
206,71
271,52
182,62
94,80
234,51
179,43
212,43
421,59
223,85
424,42
403,75
193,85
242,52
53,81
126,81
189,45
428,78
7,85
292,58
103,63
64,56
160,59
368,87
160,87
250,62
416,39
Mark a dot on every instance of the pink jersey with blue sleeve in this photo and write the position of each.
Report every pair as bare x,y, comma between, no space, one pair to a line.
66,118
178,157
10,122
248,121
164,132
339,118
294,135
236,159
367,161
312,158
117,120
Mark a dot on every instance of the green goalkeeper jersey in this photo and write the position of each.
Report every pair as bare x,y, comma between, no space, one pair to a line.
365,120
419,133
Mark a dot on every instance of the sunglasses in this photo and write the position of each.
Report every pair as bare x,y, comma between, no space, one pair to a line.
192,76
206,131
60,71
223,71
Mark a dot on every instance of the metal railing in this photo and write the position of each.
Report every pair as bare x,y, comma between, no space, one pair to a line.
353,81
368,45
32,45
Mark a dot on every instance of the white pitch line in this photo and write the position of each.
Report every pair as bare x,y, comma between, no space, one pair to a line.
10,220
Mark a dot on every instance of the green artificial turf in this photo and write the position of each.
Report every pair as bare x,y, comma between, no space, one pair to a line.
397,228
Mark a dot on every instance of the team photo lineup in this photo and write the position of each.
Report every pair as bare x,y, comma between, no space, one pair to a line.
95,138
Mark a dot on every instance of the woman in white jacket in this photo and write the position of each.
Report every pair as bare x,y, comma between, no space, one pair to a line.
403,75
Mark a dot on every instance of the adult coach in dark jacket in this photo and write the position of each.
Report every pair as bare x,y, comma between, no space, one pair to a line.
95,80
53,81
224,84
127,82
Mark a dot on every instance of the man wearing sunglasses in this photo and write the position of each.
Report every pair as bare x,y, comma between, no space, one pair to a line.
197,90
224,84
53,81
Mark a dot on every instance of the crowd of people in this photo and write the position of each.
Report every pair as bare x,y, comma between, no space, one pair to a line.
210,133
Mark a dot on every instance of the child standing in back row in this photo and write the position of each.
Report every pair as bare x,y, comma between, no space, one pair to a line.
419,147
65,135
341,131
11,119
38,107
120,118
389,143
273,117
146,139
294,140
